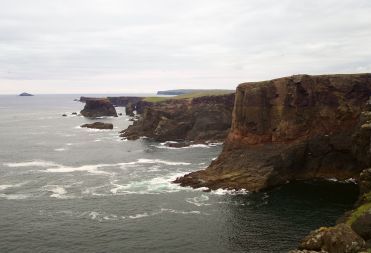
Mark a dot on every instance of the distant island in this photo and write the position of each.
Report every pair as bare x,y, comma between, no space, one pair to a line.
187,91
25,94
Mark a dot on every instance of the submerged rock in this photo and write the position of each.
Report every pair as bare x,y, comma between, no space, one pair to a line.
98,108
98,125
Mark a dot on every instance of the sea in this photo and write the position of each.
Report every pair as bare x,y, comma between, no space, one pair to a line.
69,189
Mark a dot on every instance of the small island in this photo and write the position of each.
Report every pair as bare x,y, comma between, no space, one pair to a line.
25,94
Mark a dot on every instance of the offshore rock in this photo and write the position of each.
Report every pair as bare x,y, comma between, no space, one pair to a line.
98,125
98,108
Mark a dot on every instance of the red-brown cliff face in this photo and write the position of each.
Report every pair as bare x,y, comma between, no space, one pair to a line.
297,127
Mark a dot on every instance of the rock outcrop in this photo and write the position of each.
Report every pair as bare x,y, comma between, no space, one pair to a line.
98,108
293,128
25,94
199,119
98,125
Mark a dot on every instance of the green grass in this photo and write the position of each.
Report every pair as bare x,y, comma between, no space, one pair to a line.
189,95
361,210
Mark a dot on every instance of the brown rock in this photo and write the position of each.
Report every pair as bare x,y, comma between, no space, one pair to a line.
338,239
298,127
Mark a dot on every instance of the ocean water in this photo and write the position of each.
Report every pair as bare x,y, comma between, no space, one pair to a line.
68,189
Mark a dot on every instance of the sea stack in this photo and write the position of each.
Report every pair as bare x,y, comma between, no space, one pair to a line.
100,107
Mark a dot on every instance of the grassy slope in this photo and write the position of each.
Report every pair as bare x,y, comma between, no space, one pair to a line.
189,95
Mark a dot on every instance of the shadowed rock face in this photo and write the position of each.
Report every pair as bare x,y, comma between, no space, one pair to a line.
98,108
98,125
292,128
200,119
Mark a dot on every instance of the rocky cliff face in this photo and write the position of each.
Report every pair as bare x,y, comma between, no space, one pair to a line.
200,119
292,128
353,231
98,108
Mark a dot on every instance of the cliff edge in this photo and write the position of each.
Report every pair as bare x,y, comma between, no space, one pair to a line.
292,128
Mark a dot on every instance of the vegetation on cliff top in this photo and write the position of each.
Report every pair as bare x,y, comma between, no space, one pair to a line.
189,95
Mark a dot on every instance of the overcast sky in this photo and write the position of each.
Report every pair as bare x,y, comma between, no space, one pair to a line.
116,46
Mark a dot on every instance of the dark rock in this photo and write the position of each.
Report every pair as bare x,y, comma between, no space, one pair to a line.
200,119
178,144
98,108
120,114
362,226
64,115
25,94
99,125
74,113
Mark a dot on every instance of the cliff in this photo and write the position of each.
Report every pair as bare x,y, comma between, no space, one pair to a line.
291,128
352,233
98,108
199,119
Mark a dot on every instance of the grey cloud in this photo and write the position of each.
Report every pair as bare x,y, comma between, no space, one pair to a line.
145,45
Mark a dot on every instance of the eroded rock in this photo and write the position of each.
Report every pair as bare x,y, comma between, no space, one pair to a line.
98,125
98,108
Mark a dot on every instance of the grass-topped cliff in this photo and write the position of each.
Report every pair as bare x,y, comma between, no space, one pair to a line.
195,117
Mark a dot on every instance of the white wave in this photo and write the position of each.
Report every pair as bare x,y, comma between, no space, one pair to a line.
163,145
36,163
351,180
146,161
14,196
7,186
57,191
60,149
94,215
214,144
229,192
93,169
332,179
199,201
138,216
155,185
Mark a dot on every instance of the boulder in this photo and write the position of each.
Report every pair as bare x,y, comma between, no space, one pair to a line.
338,239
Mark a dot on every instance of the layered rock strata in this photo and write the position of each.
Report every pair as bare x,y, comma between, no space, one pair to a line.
292,128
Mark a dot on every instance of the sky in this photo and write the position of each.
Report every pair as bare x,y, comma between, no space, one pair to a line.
133,46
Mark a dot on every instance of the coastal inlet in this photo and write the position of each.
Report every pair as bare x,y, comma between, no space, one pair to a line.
64,188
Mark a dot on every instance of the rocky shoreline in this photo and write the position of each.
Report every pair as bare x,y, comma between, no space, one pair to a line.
198,120
299,128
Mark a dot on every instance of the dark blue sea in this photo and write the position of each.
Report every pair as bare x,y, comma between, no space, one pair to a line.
68,189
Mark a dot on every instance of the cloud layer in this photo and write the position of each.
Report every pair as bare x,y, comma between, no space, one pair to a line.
108,46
